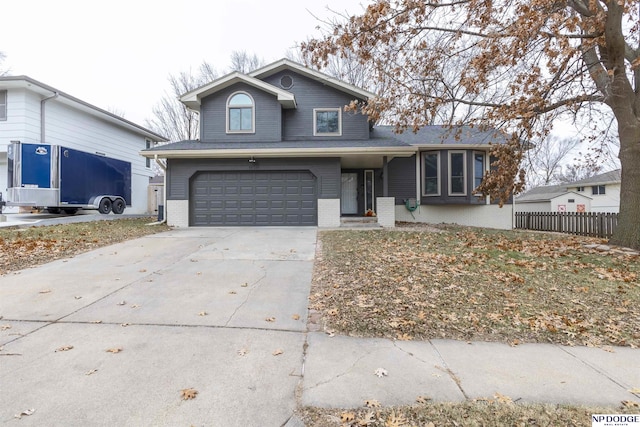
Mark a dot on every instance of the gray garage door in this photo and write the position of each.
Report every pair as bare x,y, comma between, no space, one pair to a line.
253,198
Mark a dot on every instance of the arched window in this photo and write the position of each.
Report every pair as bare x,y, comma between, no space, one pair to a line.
240,113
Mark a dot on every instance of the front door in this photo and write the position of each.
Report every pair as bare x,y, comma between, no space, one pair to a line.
349,196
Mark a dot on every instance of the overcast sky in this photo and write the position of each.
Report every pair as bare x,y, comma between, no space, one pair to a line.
117,54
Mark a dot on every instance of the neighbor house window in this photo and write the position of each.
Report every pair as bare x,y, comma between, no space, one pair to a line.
327,122
148,144
240,113
431,173
478,168
580,189
457,182
597,189
3,105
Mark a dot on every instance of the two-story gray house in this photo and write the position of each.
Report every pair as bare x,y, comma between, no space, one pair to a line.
278,148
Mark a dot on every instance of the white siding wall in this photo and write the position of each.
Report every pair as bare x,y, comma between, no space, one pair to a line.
74,129
570,207
608,202
489,216
533,207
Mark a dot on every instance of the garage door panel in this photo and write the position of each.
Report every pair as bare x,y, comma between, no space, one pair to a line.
253,198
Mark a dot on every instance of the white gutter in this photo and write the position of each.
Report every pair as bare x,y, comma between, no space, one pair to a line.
164,191
282,152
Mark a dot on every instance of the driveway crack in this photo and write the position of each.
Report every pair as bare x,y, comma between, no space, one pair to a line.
255,285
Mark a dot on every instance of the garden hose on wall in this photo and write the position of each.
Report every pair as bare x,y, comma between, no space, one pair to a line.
411,205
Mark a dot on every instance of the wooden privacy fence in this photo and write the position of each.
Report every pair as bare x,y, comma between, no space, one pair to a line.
592,224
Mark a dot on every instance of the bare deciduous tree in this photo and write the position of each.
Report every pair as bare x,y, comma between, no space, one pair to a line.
522,61
3,70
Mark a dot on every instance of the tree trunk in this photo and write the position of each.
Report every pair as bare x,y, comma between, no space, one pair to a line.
627,232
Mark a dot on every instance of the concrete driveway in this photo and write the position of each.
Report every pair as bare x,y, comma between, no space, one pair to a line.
219,310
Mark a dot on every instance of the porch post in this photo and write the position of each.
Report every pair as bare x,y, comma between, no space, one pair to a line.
385,178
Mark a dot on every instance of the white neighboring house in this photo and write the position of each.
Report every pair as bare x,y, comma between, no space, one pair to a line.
600,193
33,112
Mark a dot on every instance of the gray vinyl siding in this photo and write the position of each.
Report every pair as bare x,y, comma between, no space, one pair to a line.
402,178
445,198
326,171
268,116
310,94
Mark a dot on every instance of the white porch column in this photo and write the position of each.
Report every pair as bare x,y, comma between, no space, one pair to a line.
386,211
329,213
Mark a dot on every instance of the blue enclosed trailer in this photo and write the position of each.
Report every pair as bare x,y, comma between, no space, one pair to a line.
59,178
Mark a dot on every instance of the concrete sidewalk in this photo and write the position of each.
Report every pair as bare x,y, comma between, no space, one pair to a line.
224,311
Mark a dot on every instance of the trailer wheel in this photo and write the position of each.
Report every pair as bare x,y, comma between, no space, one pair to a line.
105,205
70,211
54,210
118,206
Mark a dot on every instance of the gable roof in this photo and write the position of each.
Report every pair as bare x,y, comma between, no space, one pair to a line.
26,82
546,193
286,64
193,99
611,177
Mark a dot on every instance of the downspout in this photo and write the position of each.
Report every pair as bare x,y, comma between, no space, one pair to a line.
164,192
42,115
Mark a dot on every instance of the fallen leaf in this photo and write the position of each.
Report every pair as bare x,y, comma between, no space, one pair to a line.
333,312
188,393
395,420
64,348
243,352
122,303
5,327
135,306
502,398
368,420
347,417
143,270
244,285
404,337
202,313
630,404
114,350
77,297
270,319
25,412
91,372
296,317
371,403
277,352
423,399
380,372
96,321
232,292
514,343
635,390
45,291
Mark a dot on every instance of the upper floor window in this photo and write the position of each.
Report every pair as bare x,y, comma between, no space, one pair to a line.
457,167
478,168
327,122
148,144
431,186
580,189
598,189
240,113
3,105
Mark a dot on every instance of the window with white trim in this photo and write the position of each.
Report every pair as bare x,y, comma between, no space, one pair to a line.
327,122
240,113
457,167
431,172
598,189
3,105
478,168
148,144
